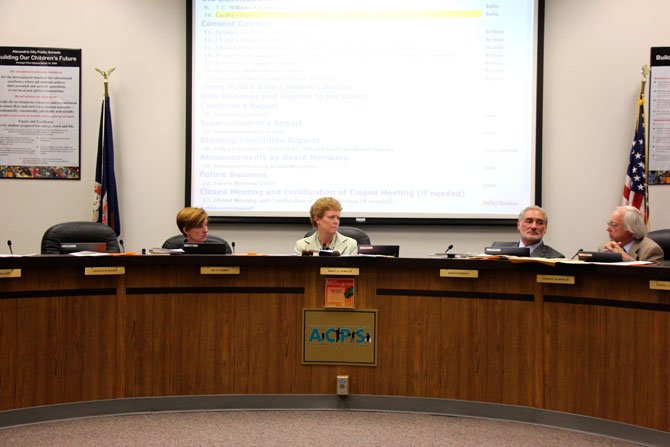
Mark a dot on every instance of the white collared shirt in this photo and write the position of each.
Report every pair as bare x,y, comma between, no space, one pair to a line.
532,247
628,246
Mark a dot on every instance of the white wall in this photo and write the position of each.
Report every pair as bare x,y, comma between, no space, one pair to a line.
594,50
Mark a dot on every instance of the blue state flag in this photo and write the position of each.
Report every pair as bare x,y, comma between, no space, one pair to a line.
106,205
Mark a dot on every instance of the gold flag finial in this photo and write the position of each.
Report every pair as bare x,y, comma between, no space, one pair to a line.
645,76
105,75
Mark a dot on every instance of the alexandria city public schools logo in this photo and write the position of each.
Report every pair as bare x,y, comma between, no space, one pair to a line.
339,335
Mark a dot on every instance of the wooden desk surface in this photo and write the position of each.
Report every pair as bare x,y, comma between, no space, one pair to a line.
600,347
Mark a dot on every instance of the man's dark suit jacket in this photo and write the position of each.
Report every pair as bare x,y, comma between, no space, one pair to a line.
541,251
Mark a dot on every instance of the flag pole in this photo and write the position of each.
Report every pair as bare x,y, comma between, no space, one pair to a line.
643,84
645,75
106,203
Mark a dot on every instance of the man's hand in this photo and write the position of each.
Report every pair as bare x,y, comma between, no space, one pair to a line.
615,247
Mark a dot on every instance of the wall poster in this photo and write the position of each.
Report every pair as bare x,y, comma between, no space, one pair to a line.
659,117
40,113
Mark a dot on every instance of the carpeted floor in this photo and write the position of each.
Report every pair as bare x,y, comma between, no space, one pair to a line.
293,428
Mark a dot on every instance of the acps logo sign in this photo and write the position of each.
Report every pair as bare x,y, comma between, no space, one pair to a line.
336,336
329,334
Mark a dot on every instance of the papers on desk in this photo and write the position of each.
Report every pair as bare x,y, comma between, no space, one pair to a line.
545,261
452,255
17,256
553,261
526,259
165,251
616,263
364,255
88,253
253,253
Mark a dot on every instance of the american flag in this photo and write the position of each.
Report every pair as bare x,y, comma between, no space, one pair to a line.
635,186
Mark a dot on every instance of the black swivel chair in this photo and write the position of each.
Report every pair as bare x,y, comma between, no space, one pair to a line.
355,233
662,238
177,241
78,232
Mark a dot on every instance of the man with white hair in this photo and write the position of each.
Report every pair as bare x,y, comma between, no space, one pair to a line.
628,236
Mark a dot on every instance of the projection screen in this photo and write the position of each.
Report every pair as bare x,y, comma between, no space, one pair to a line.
407,112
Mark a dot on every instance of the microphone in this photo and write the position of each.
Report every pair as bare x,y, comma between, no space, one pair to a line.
445,252
232,244
9,244
578,252
123,248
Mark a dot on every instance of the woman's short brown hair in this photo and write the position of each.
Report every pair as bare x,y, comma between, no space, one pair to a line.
321,207
189,218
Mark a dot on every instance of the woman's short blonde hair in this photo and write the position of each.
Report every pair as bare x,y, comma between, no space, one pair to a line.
189,218
321,207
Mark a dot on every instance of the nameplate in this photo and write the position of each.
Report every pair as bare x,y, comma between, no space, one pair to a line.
349,271
10,273
555,279
459,273
218,270
91,271
659,285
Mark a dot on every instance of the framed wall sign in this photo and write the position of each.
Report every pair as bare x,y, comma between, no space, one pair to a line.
40,113
659,112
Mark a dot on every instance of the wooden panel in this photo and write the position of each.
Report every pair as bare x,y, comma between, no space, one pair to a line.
8,354
519,282
199,344
40,360
615,286
606,348
455,348
458,346
204,343
52,278
608,362
92,324
64,350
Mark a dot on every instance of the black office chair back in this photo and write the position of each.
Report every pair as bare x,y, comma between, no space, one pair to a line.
174,242
662,238
78,232
355,233
177,241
